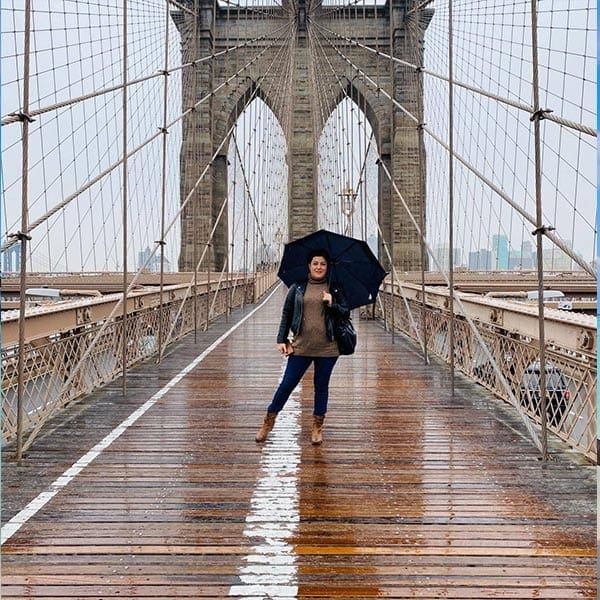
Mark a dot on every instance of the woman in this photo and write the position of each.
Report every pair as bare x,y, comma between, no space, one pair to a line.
308,312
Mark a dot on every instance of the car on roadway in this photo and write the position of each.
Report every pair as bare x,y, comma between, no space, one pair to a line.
558,396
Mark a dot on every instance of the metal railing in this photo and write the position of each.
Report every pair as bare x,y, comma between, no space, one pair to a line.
58,339
508,331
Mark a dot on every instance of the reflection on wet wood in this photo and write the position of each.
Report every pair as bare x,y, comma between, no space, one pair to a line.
413,494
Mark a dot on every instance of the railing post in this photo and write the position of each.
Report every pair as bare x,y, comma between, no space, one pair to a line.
540,229
22,235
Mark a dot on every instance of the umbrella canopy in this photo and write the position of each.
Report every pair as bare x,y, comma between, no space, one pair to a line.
352,265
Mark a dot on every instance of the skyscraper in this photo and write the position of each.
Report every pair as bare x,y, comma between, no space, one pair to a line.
500,252
481,260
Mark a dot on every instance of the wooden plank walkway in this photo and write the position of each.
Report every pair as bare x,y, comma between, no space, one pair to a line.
413,494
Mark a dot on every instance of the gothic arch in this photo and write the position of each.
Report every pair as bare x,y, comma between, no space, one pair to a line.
364,102
234,104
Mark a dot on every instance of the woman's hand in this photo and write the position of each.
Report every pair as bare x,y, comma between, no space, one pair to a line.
327,298
283,349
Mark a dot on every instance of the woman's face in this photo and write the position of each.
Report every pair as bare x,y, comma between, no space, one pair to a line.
317,268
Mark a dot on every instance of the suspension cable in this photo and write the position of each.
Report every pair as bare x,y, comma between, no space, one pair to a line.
70,198
548,233
14,117
458,300
549,115
135,278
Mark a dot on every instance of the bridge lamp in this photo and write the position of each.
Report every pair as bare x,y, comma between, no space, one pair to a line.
278,240
347,205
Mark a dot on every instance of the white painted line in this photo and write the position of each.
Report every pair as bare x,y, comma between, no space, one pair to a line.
271,570
12,526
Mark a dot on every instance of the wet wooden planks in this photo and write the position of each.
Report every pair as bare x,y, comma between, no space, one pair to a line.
413,493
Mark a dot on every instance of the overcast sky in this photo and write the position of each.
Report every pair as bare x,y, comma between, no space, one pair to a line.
491,51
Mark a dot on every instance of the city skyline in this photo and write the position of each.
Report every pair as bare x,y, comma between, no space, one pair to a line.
501,256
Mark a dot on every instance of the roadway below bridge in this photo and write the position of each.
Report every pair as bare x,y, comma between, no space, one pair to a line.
414,493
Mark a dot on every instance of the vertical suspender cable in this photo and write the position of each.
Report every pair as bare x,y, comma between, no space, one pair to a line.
164,181
258,185
245,203
125,191
363,189
415,27
208,286
251,185
241,128
347,183
208,254
229,294
236,167
233,213
540,228
337,140
234,209
195,238
265,212
229,299
195,205
244,225
381,168
364,194
22,235
255,187
211,108
451,195
392,135
351,150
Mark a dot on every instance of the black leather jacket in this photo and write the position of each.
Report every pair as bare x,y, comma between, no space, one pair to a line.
291,315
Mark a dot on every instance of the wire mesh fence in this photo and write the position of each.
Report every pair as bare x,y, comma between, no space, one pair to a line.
570,373
70,364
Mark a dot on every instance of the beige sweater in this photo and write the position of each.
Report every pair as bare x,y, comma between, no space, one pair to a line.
312,339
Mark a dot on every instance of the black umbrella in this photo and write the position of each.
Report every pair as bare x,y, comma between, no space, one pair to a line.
353,265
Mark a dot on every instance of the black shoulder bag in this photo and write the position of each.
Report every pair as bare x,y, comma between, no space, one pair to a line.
345,335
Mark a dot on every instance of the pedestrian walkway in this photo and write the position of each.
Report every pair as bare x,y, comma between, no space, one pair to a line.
413,494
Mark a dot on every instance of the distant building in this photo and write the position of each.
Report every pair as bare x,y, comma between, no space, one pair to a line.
481,260
154,263
522,260
458,253
500,252
11,259
557,260
527,256
514,260
442,253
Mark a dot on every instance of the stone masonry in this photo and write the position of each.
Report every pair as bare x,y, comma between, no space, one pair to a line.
398,137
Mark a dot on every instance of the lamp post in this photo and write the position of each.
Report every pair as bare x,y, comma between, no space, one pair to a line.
278,240
347,205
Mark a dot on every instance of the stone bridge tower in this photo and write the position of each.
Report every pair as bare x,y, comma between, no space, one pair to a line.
204,129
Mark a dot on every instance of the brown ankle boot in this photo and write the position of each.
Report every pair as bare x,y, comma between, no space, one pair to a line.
267,425
317,429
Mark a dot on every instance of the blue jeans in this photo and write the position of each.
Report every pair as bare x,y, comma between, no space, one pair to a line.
295,369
